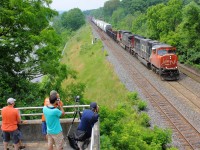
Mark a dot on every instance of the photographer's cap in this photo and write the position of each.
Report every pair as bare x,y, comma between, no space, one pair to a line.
93,105
11,100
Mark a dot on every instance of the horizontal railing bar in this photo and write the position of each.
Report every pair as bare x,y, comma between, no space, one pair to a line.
68,106
40,107
39,114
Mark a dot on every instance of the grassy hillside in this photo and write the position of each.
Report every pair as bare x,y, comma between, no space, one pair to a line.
122,127
89,60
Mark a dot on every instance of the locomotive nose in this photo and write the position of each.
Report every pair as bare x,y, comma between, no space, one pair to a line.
169,61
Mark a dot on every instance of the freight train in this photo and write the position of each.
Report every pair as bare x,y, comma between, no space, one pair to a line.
157,56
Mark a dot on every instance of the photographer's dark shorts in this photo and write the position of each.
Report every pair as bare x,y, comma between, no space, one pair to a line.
44,128
14,135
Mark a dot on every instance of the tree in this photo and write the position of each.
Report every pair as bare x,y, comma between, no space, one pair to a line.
189,31
153,15
170,17
73,19
139,24
110,6
29,46
117,16
163,19
97,13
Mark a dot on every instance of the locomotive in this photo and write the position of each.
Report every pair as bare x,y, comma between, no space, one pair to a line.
159,57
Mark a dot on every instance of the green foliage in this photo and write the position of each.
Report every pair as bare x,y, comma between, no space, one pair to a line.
189,30
74,89
97,13
110,6
73,19
107,145
162,136
153,16
133,96
139,24
29,49
119,128
57,24
163,19
85,49
117,16
126,22
132,6
105,53
142,105
144,119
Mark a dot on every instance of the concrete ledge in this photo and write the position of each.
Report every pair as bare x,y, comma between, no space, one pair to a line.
32,130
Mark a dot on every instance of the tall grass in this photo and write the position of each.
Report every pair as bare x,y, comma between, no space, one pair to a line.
89,60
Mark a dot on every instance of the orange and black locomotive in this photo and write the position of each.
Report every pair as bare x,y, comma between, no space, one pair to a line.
159,57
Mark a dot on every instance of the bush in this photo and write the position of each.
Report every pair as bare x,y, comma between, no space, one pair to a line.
144,119
106,144
105,53
124,130
133,96
142,105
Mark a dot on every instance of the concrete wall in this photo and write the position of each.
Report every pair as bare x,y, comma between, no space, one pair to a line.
32,131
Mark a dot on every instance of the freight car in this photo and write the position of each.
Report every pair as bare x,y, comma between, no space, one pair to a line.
159,57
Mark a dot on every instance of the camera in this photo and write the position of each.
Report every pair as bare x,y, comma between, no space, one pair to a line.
77,99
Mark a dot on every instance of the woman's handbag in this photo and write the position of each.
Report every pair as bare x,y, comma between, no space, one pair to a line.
80,135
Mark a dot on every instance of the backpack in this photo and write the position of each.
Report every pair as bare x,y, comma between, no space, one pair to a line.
73,142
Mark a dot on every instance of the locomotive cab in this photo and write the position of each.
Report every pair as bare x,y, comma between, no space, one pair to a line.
164,61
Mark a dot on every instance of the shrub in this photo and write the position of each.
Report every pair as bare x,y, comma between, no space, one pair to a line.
106,143
145,119
105,53
142,105
133,96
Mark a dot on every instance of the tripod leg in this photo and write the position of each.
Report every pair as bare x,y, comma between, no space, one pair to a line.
79,112
75,113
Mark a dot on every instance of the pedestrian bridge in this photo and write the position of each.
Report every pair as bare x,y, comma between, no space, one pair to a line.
32,130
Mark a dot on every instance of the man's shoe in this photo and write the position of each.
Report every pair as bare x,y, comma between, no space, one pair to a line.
85,144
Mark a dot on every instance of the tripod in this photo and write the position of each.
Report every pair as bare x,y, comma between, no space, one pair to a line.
76,112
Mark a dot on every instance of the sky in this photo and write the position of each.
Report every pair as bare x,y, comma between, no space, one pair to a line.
65,5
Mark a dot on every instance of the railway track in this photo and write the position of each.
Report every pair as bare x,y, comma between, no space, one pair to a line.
187,135
187,94
189,72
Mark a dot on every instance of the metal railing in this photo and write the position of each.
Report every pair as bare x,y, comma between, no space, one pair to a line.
76,107
80,107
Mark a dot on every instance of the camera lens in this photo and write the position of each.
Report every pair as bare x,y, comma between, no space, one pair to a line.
77,98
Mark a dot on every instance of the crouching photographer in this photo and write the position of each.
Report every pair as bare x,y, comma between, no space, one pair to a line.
84,130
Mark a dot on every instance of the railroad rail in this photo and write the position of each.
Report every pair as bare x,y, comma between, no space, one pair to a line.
191,97
187,135
189,72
